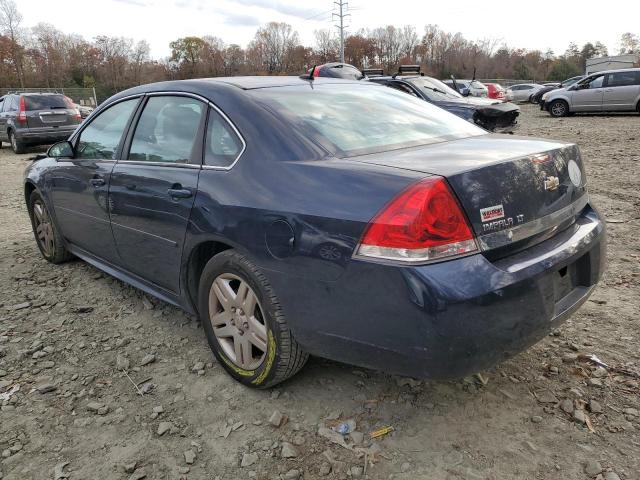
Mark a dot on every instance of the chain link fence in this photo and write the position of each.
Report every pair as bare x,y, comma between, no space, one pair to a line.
81,96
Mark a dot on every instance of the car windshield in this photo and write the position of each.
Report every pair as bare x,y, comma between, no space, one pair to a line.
570,81
357,119
44,102
435,89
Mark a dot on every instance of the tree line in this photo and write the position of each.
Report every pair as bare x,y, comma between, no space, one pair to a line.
43,56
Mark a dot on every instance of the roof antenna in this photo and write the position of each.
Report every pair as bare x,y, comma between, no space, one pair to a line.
474,73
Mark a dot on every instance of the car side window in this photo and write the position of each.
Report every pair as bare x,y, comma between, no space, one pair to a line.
222,143
100,139
596,82
623,79
167,130
403,88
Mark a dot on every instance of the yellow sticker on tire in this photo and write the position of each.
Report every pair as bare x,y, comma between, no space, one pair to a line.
271,355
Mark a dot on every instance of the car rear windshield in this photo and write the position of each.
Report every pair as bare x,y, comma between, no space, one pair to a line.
357,119
44,102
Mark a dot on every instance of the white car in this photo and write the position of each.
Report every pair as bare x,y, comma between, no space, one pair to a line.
522,91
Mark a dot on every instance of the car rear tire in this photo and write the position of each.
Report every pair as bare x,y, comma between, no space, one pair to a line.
16,145
47,237
559,108
244,323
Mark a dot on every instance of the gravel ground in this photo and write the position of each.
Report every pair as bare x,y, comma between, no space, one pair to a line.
68,333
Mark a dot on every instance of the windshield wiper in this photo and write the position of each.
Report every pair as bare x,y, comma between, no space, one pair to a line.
435,90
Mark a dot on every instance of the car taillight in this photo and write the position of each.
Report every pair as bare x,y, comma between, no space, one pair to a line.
423,223
72,106
22,112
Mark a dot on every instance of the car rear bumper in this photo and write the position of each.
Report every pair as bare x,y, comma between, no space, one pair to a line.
447,319
44,135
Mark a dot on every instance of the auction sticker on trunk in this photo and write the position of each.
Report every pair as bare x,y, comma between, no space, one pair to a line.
492,213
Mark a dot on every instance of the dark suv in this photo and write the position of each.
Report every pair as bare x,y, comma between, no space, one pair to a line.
36,119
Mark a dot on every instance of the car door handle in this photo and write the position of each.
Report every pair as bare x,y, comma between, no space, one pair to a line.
97,182
178,192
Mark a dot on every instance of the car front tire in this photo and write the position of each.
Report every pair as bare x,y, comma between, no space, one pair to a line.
16,145
559,108
244,323
48,238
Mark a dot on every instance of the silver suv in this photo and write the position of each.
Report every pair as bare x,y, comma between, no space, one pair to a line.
609,91
36,119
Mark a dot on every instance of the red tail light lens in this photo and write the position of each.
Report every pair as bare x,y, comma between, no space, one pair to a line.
22,112
423,223
72,106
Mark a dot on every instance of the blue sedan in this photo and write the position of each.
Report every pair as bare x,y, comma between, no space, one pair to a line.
330,217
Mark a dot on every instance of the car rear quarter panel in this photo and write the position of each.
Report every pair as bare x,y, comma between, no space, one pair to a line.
324,204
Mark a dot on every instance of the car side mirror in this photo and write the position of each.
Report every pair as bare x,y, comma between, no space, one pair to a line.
61,150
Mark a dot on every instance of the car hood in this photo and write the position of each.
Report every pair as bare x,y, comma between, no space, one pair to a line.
473,101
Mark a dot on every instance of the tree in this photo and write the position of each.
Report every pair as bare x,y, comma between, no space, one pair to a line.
10,20
629,43
234,59
139,57
273,44
327,45
187,53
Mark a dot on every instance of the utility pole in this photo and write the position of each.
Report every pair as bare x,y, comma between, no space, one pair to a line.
342,8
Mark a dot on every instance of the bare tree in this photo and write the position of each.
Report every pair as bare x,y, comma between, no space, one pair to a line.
327,45
139,57
273,43
10,20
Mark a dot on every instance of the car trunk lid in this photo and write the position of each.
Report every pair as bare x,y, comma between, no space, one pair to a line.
512,189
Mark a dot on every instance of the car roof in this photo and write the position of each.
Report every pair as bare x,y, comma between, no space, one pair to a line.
615,70
254,82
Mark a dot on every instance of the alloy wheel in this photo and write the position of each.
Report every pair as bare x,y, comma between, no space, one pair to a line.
237,321
44,228
558,109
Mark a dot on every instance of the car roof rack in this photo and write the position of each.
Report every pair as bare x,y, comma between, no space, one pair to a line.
404,69
373,72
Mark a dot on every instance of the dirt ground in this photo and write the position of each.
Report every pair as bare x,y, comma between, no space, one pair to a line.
66,333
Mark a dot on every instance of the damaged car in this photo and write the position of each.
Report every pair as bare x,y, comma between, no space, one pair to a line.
492,115
323,216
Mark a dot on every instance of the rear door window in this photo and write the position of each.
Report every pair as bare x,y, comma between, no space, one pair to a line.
223,145
623,79
101,138
44,102
167,130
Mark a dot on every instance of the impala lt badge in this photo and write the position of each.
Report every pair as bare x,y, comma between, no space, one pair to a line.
551,183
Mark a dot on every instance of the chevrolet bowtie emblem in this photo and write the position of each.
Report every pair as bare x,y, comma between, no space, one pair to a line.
551,183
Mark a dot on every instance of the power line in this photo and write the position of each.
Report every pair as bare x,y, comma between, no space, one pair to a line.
343,6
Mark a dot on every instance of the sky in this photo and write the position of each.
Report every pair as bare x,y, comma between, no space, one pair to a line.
518,24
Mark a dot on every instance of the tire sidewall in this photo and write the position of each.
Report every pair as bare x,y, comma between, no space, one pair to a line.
33,198
15,145
232,262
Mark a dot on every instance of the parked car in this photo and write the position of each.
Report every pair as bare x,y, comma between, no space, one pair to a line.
608,91
36,119
457,248
337,70
474,87
522,91
537,96
492,115
496,91
84,110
